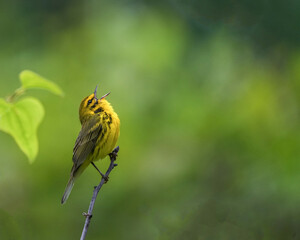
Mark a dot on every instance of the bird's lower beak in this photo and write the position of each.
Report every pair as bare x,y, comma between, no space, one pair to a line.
105,95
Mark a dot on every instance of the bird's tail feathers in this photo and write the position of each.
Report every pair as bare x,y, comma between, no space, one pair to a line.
68,190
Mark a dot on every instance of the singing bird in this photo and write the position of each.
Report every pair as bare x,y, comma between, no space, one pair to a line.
100,129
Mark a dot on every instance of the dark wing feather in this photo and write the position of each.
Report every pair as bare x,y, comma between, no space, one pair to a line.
86,141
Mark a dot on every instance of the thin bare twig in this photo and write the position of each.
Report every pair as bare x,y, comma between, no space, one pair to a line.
88,215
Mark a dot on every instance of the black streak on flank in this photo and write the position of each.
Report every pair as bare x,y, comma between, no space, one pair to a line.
98,110
110,121
106,116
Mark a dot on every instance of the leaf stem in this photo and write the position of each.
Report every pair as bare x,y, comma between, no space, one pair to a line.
18,92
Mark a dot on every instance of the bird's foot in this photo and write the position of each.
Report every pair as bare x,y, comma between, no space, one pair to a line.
87,215
113,155
105,178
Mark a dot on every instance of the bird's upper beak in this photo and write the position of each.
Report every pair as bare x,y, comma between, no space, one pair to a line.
95,93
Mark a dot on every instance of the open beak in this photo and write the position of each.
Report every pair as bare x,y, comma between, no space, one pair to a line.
95,94
105,95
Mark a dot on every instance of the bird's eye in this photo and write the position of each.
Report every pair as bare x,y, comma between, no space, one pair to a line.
89,102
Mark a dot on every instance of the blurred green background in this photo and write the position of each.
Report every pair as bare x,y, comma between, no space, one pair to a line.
208,96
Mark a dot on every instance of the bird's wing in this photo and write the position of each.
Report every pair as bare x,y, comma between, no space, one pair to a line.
86,141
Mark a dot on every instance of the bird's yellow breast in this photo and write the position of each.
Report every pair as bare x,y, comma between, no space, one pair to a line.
108,139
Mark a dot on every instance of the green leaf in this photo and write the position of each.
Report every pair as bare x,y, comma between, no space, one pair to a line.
30,79
21,121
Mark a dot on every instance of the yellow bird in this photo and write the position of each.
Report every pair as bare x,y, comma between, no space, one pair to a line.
100,129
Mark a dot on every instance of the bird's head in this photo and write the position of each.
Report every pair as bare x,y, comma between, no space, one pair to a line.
91,105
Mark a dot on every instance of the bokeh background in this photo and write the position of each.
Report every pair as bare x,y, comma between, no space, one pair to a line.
208,95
